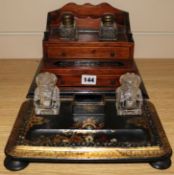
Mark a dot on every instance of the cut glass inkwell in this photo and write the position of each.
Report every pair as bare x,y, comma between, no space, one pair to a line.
68,29
129,98
46,95
108,28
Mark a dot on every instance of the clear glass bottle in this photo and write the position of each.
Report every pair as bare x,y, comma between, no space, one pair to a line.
46,95
129,98
68,29
108,29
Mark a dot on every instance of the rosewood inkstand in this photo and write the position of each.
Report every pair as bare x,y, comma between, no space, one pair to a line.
87,102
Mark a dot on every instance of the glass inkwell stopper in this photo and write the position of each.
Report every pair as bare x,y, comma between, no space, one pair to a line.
68,20
108,20
46,95
129,98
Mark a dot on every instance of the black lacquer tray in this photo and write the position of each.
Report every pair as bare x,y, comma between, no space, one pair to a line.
95,133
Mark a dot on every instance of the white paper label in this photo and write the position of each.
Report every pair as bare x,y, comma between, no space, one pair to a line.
89,79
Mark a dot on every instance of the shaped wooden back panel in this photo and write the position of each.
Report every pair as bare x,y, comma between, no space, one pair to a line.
88,15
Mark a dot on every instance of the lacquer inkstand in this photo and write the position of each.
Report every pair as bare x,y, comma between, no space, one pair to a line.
87,102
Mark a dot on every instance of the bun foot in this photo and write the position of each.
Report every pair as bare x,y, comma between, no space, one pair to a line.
14,164
161,164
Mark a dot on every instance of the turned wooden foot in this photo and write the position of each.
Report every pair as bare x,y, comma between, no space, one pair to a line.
161,164
14,164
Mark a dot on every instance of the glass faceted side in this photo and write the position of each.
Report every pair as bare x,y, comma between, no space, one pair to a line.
129,98
46,95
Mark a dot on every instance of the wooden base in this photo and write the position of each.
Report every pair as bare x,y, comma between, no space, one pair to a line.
15,164
161,164
131,138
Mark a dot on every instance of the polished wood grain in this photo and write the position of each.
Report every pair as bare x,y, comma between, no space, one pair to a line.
15,79
88,45
70,76
85,11
69,52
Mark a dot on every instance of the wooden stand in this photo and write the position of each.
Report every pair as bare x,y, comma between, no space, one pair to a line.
88,65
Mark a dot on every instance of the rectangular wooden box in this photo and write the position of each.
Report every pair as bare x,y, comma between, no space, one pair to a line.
87,54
